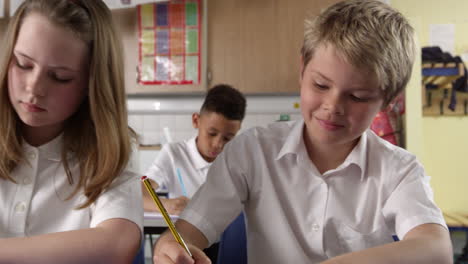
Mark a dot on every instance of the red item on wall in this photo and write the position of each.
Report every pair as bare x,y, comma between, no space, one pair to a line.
388,123
383,127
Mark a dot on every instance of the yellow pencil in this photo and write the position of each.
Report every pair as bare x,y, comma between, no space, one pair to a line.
168,220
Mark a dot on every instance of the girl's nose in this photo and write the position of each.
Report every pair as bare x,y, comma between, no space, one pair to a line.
35,84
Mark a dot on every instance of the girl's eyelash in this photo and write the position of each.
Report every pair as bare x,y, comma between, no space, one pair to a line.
21,66
53,76
61,80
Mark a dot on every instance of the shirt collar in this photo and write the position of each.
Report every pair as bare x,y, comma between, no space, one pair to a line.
199,162
51,150
358,156
294,143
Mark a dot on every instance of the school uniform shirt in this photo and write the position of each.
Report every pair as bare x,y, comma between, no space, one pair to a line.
294,214
179,158
37,204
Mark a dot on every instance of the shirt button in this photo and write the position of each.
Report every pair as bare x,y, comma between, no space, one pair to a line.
20,207
32,155
27,180
315,227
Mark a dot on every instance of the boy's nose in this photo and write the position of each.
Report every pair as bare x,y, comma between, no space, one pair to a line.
218,144
334,105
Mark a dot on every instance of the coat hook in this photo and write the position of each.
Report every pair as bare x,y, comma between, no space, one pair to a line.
441,105
465,106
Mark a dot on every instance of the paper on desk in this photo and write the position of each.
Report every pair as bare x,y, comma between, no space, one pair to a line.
157,216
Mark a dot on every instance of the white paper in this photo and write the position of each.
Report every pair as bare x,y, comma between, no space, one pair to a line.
442,35
464,57
155,215
156,219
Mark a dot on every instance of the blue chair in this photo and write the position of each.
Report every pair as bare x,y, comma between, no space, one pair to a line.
233,243
140,257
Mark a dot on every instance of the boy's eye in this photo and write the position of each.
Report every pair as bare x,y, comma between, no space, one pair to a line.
358,98
320,86
212,134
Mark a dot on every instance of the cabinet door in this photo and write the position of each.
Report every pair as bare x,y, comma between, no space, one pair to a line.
255,44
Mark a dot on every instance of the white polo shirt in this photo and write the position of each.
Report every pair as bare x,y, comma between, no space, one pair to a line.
182,156
38,203
296,215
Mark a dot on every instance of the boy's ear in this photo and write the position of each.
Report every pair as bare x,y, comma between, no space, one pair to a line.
195,120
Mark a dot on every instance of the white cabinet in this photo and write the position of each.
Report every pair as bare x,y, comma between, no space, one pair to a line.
112,4
117,4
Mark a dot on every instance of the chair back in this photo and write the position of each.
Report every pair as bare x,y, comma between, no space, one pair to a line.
140,257
233,243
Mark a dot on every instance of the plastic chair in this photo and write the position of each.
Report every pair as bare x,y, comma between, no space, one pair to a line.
233,243
140,257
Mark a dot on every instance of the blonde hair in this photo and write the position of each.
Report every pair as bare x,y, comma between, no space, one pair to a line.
370,35
97,135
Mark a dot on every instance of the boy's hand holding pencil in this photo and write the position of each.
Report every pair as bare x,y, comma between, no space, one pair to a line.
170,252
176,250
163,211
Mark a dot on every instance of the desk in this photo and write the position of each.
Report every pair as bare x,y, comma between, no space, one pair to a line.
154,224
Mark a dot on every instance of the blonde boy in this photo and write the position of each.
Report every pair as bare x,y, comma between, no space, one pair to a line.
326,189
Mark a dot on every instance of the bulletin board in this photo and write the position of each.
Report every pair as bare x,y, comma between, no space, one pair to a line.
169,42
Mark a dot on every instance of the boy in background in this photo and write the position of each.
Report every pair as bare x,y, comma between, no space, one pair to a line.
181,167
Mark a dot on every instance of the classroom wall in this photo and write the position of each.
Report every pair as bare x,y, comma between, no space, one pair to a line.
441,143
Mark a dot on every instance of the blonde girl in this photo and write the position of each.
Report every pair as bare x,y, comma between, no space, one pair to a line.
65,193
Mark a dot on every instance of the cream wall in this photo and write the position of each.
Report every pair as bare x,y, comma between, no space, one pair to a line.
441,143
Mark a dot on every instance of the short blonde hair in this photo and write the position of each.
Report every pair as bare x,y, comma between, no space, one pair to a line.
97,135
370,35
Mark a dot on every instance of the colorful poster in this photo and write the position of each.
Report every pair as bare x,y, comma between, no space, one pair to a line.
169,42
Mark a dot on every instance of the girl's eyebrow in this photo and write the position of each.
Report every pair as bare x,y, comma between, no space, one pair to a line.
19,53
